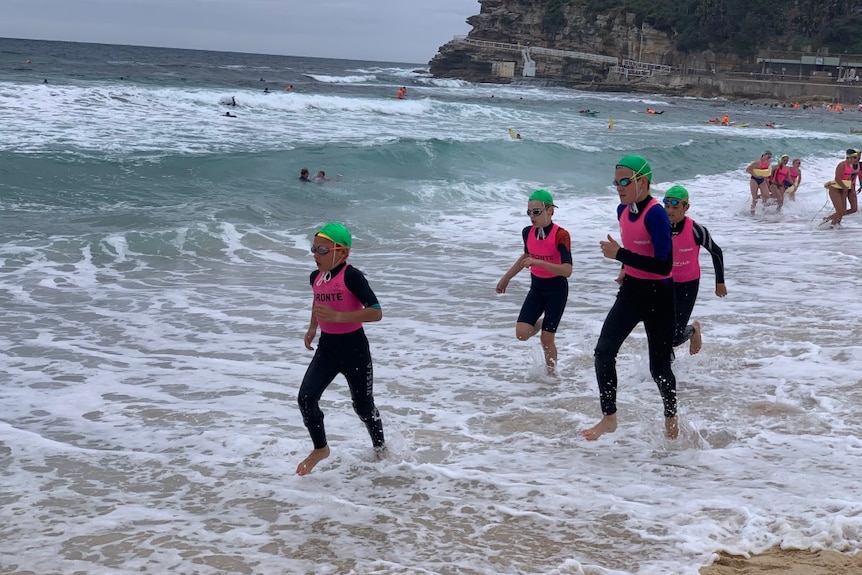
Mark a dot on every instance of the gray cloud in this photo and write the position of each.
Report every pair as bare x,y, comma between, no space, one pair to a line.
382,30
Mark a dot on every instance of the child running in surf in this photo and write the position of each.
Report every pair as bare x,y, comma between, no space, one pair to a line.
688,237
645,294
548,254
343,301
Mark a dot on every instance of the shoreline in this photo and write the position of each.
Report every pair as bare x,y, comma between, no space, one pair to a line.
778,561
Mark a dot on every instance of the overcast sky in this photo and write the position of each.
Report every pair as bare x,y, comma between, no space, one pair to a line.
383,30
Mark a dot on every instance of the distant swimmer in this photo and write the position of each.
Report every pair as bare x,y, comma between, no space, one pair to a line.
321,177
651,111
519,137
289,88
266,90
725,120
232,101
402,93
303,175
229,115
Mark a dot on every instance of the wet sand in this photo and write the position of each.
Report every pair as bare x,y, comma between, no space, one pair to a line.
778,561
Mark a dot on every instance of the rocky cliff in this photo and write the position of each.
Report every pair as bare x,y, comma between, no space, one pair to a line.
526,23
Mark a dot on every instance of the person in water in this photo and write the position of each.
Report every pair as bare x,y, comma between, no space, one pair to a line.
759,171
795,174
842,190
303,175
548,255
645,294
343,301
229,115
779,180
233,100
688,237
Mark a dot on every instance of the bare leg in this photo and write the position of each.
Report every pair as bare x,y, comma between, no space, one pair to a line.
765,192
852,201
671,427
696,341
550,349
524,331
315,457
754,188
839,202
608,424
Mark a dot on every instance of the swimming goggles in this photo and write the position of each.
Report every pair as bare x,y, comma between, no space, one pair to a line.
672,202
624,182
323,250
536,212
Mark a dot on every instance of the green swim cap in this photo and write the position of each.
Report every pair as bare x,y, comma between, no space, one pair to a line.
677,192
337,233
542,196
638,165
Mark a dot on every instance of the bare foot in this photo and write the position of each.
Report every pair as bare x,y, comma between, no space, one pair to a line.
671,427
608,424
315,457
696,341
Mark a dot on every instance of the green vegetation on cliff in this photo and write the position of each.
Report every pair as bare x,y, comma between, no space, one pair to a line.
738,26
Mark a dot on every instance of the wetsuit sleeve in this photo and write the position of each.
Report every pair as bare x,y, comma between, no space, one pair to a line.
358,285
702,238
313,277
524,233
658,226
564,246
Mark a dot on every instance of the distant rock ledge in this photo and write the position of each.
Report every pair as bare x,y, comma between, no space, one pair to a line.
610,53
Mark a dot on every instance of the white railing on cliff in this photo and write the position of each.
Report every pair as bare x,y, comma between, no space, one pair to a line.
538,50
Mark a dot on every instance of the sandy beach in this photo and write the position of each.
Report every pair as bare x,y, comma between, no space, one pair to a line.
778,561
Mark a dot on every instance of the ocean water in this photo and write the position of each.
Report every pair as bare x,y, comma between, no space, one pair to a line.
154,289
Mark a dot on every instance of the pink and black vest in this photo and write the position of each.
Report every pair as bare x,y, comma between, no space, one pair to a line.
334,293
686,267
636,239
545,250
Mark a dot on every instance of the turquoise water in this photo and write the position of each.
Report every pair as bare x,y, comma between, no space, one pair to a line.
155,292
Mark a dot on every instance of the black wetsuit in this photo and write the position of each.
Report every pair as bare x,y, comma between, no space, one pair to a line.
547,295
685,293
641,300
349,355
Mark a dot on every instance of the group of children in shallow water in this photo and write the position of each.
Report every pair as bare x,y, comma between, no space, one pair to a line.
772,183
659,280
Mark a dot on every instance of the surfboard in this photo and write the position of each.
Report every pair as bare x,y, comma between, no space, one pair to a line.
512,134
